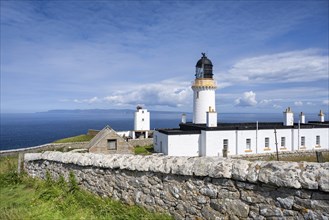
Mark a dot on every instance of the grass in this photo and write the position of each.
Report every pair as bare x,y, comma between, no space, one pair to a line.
25,198
79,138
298,158
144,150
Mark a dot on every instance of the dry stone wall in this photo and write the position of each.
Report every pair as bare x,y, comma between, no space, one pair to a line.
141,142
47,147
197,187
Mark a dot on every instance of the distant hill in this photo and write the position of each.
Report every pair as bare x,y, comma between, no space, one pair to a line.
107,111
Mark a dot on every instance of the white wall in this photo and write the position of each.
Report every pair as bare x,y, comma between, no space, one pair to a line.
125,133
160,142
202,99
183,145
210,143
310,138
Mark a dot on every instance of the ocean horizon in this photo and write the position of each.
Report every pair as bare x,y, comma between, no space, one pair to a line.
21,130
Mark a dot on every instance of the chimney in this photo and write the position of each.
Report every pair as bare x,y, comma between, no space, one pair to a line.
288,117
302,118
211,118
321,116
183,118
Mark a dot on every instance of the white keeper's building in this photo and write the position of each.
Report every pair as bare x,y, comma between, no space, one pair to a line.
206,137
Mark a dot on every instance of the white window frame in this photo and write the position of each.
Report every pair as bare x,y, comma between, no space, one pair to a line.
302,141
267,142
283,142
225,144
318,140
248,144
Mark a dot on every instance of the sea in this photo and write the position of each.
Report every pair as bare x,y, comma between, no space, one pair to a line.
32,129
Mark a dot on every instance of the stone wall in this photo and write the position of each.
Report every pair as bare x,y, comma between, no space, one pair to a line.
197,187
47,147
141,142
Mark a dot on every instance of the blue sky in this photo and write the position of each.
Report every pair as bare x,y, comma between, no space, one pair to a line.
267,55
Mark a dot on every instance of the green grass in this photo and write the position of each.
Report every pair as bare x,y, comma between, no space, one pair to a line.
79,138
25,198
144,150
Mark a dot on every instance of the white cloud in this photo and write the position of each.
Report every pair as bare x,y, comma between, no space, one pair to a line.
293,66
298,103
166,93
325,102
248,99
88,101
277,106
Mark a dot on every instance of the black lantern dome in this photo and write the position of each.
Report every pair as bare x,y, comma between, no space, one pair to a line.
203,68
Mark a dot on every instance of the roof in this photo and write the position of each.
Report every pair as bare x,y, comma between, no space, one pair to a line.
204,60
191,128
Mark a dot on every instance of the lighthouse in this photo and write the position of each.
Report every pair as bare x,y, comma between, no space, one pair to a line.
204,87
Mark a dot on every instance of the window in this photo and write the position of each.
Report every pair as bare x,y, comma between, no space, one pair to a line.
283,141
142,119
248,144
142,112
197,94
318,140
111,144
267,142
156,139
302,141
225,144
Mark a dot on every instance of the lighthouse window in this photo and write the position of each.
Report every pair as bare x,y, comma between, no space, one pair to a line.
283,141
197,95
142,119
248,143
318,140
302,141
267,142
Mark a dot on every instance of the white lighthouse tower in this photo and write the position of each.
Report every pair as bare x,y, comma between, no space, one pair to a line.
204,87
142,122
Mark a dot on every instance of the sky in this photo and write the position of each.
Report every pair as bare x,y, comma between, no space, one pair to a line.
267,55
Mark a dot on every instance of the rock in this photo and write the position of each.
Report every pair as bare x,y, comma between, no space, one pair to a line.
218,205
236,207
202,200
240,169
255,215
253,171
284,174
309,175
221,168
209,213
270,211
224,193
320,196
323,178
191,210
286,202
209,191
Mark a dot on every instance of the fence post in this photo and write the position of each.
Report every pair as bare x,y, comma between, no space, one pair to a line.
19,162
319,157
225,151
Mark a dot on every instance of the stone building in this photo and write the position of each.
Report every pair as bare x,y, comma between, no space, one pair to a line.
107,141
